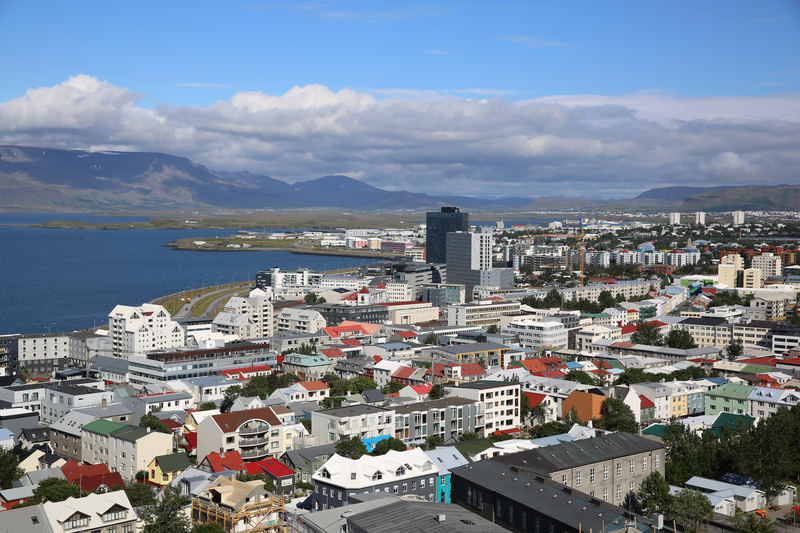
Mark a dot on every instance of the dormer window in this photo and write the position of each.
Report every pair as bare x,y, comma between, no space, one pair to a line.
324,473
377,476
400,471
76,520
115,513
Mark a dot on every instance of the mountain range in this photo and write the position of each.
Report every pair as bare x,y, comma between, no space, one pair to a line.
52,179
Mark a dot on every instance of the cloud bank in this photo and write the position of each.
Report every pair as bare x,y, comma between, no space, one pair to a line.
562,145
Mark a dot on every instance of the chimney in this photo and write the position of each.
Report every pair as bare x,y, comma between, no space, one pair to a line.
441,517
104,403
148,430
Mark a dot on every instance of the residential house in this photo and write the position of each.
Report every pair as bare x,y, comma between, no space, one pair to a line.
447,418
216,462
301,320
305,461
484,353
445,458
165,468
104,511
248,372
304,391
281,475
238,505
210,388
255,433
765,401
362,421
729,398
123,448
307,367
500,399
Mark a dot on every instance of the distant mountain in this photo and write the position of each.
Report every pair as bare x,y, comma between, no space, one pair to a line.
557,202
676,194
46,178
748,198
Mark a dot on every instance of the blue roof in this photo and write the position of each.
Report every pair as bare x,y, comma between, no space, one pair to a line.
555,439
372,441
718,381
573,364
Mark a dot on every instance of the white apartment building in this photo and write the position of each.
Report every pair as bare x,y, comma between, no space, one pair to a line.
764,402
501,401
61,399
769,264
255,433
700,218
587,336
400,291
483,313
682,257
535,334
674,219
738,218
659,394
256,307
135,330
303,320
362,421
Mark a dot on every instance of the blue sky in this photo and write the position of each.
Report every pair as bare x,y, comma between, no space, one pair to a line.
563,81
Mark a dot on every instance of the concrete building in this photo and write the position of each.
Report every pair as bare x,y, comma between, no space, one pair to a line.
738,218
123,448
442,295
135,330
536,334
411,312
483,313
700,218
674,219
400,473
60,399
256,308
437,226
752,278
500,399
362,421
302,320
279,281
254,433
65,433
446,418
769,264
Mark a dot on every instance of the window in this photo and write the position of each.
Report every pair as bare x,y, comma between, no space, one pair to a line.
112,529
632,486
563,479
644,463
524,520
511,514
405,487
394,489
422,483
578,479
480,500
413,485
498,508
619,469
619,492
76,520
633,466
605,471
324,491
127,528
605,494
591,475
536,524
657,460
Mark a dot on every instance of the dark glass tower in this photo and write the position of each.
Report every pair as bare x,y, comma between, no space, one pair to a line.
449,220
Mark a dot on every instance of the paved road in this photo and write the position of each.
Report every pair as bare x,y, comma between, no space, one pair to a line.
186,310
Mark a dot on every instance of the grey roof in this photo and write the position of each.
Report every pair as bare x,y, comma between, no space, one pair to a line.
451,401
180,395
353,410
75,390
34,477
26,519
109,364
410,517
373,396
210,381
111,409
194,479
580,452
472,347
446,458
301,408
332,520
311,454
564,505
37,434
72,422
484,384
180,415
17,493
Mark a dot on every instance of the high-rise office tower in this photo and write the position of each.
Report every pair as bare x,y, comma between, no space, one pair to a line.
449,220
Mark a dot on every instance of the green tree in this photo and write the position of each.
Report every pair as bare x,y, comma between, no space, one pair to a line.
734,349
572,418
55,490
306,423
580,376
752,523
383,447
361,384
231,393
647,333
606,299
207,406
434,441
352,448
548,429
680,339
493,329
616,415
392,387
653,495
632,376
260,386
539,414
468,435
211,527
331,401
151,421
437,391
166,515
311,298
431,339
690,508
269,486
9,468
23,374
140,494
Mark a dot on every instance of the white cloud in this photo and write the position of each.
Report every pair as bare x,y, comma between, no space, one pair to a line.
429,142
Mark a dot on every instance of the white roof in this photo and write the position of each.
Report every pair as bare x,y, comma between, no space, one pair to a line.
394,466
93,506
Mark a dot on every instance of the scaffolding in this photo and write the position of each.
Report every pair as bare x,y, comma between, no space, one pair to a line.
253,517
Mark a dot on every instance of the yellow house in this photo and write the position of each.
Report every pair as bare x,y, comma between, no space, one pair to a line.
678,400
165,468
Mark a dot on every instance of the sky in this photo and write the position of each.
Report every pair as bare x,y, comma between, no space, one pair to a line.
517,98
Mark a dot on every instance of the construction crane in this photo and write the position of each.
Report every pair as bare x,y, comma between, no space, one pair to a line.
582,249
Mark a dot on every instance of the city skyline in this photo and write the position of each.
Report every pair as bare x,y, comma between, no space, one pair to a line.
468,98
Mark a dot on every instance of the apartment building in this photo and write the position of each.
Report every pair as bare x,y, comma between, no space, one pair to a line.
729,398
500,399
407,473
28,397
300,320
60,399
483,314
42,353
255,433
765,401
362,421
486,354
135,330
123,448
446,418
585,338
65,433
256,307
535,334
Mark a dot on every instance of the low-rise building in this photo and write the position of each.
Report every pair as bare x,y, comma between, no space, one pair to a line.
301,320
447,418
362,421
165,468
255,433
484,313
123,448
500,399
307,367
104,511
61,398
729,398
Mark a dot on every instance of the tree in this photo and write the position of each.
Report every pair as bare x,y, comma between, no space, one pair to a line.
231,393
55,489
269,486
151,421
616,415
653,495
211,527
306,423
572,418
434,441
207,406
383,446
260,386
331,401
469,435
311,298
647,333
166,515
437,391
321,300
352,448
23,374
392,387
361,384
691,507
493,329
548,429
431,339
140,494
681,339
539,414
606,299
632,376
752,523
580,376
9,468
734,349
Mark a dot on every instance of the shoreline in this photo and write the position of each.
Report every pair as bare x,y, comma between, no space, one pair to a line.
330,253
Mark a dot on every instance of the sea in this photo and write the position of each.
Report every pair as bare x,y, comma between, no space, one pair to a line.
62,280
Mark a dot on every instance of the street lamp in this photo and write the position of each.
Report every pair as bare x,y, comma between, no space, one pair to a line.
218,278
48,327
95,322
204,285
193,284
234,280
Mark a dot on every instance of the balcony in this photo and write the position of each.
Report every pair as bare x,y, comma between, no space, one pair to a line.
253,442
254,454
253,431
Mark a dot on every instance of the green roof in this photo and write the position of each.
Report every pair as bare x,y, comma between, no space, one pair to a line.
473,447
656,429
174,462
595,315
103,427
756,369
735,391
615,363
732,422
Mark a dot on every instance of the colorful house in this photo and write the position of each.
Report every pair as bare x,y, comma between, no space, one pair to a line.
585,404
446,458
164,468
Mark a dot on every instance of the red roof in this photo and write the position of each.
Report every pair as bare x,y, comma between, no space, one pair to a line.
403,372
795,361
555,374
631,328
534,399
351,342
191,438
619,344
423,389
314,385
269,465
645,402
510,431
701,360
231,461
766,361
407,334
472,369
74,470
171,424
333,352
632,311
